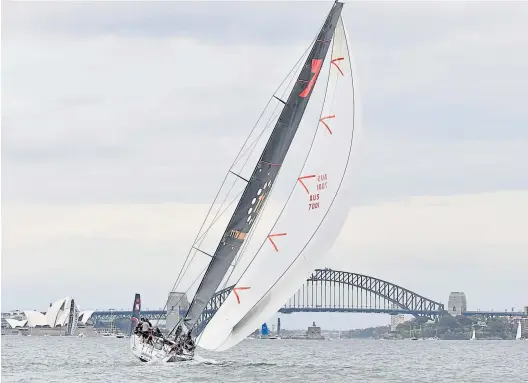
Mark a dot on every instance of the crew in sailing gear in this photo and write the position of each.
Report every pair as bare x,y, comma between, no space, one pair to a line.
145,329
188,343
178,332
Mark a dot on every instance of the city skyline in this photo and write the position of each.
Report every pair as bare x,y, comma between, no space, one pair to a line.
106,104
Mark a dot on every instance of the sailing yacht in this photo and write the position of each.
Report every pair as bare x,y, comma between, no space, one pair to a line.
289,211
473,337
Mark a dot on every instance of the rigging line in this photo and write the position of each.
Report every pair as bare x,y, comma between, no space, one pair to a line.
251,147
246,243
217,216
225,178
200,238
185,293
300,173
236,159
192,248
271,190
250,235
337,191
293,71
186,267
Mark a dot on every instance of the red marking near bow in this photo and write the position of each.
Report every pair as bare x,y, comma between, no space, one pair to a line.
271,239
236,294
316,68
337,66
300,179
325,124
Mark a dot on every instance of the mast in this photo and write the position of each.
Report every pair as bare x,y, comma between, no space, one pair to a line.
266,170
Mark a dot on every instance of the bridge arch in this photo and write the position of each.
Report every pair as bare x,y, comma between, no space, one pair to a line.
320,294
392,294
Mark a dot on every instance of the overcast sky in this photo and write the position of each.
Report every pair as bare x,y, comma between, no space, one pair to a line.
119,120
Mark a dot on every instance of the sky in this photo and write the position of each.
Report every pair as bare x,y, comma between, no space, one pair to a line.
119,120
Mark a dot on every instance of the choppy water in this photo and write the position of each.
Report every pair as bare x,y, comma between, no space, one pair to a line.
62,359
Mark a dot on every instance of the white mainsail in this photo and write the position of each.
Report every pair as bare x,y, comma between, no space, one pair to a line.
311,220
473,337
519,331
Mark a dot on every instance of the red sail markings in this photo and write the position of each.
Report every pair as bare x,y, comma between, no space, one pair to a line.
270,237
235,289
300,179
325,124
334,62
316,68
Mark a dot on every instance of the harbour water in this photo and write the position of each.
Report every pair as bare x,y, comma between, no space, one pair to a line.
69,359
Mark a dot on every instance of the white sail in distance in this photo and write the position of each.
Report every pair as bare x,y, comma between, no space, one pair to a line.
309,223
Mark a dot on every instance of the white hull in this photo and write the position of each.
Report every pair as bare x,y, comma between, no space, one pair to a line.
148,353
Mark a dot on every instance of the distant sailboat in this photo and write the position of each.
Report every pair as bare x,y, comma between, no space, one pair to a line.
518,336
473,337
265,261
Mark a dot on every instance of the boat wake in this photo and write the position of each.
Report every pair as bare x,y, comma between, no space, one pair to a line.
196,361
200,360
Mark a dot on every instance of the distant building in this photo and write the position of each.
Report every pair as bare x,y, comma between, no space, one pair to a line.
396,319
314,332
457,303
526,310
54,322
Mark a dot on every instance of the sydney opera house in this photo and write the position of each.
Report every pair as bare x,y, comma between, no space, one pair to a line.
62,318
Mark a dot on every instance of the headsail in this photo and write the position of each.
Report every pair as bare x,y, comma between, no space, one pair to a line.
309,223
136,311
266,171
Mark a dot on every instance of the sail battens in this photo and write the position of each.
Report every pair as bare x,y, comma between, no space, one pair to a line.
266,171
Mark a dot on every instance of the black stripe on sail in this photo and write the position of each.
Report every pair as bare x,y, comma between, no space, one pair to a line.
264,174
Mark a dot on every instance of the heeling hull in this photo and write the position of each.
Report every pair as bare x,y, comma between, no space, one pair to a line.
148,353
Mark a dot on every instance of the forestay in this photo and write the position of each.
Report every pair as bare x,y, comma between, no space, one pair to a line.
309,223
263,177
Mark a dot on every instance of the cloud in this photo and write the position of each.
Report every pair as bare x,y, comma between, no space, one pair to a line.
108,101
420,243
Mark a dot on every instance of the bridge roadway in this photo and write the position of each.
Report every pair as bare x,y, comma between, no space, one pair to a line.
157,314
328,290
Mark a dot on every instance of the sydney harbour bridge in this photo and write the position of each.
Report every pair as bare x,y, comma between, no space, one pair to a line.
326,290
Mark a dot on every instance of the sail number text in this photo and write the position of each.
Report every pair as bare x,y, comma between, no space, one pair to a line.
322,184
